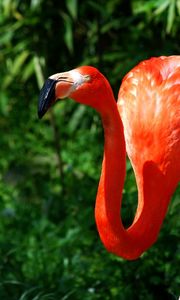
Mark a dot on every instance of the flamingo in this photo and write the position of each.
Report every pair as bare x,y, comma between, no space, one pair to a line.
145,122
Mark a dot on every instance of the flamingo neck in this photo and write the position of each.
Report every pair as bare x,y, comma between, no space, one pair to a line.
152,200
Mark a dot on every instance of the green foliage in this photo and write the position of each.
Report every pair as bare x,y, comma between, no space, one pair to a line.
49,169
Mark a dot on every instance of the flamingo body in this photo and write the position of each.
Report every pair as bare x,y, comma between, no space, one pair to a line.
149,105
146,122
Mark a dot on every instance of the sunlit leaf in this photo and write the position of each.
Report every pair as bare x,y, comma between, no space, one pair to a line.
28,70
72,7
7,7
35,3
171,15
141,6
38,71
162,7
16,68
76,118
68,35
178,6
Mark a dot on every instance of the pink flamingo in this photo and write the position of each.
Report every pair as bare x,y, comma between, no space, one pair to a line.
145,121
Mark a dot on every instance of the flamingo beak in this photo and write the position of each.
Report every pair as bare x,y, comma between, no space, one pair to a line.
46,97
59,86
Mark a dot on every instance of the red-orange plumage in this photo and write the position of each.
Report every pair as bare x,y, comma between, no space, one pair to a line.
149,105
146,122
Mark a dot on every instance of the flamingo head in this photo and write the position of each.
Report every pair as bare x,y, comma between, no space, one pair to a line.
84,84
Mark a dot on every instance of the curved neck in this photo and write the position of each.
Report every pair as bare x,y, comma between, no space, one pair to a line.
152,200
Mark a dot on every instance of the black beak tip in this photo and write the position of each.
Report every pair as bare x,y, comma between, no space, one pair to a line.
46,97
40,114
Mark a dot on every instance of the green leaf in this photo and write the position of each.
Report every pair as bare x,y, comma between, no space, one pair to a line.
171,16
143,6
4,107
28,70
19,61
16,68
161,7
178,6
7,7
76,117
38,71
35,4
72,8
68,35
24,296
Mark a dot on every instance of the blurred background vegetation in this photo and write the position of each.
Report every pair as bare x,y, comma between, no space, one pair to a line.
49,169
